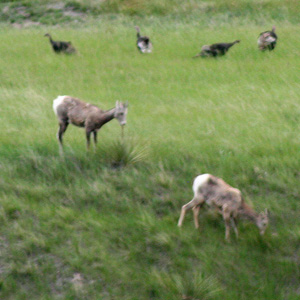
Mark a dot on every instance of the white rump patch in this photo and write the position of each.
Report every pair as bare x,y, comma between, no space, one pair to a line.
200,180
56,102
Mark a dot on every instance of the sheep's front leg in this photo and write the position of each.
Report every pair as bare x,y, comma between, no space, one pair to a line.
226,217
194,202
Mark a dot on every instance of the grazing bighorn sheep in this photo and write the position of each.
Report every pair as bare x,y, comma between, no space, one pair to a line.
216,193
91,117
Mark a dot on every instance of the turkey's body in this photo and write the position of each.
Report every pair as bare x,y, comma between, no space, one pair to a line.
143,43
60,46
218,49
267,40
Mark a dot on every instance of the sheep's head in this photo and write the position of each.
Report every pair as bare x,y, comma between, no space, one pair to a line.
121,112
262,221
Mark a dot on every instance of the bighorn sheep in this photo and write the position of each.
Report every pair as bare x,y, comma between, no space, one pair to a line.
216,193
91,117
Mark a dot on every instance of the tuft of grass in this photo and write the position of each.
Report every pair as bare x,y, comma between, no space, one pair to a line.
187,286
125,152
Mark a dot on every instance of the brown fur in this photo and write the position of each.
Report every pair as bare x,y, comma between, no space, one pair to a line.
92,118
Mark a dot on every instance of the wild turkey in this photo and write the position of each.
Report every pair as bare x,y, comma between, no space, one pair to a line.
61,47
143,42
214,50
267,40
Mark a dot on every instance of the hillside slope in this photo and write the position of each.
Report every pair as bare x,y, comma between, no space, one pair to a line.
103,224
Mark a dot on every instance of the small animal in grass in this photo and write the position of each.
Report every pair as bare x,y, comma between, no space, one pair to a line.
70,110
143,43
214,50
216,193
267,40
61,47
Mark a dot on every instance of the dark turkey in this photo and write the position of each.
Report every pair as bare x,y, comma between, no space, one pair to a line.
61,47
217,49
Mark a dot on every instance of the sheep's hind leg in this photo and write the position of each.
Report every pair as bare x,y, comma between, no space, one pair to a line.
95,139
62,128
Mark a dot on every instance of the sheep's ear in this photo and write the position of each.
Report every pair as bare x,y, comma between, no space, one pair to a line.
117,103
266,212
126,104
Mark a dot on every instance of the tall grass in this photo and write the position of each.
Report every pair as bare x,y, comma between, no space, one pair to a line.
236,117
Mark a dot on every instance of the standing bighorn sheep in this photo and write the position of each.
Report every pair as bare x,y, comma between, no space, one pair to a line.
216,193
91,117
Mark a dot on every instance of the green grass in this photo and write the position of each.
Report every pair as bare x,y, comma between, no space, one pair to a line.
111,215
204,12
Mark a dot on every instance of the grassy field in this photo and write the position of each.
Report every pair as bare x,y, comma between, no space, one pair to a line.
102,225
